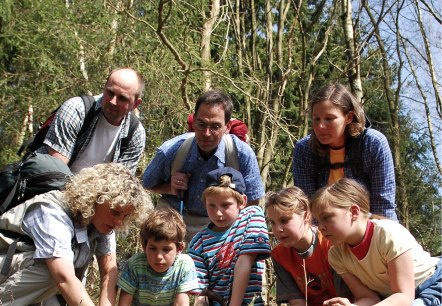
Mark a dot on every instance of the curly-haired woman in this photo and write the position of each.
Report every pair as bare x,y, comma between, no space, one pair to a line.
67,228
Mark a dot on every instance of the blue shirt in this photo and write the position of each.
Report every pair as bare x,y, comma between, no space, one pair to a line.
377,166
158,171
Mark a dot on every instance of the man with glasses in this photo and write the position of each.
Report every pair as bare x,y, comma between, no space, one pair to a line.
213,111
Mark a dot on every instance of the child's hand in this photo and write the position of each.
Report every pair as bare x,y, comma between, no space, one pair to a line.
337,301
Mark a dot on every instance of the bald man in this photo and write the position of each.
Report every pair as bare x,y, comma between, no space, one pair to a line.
102,141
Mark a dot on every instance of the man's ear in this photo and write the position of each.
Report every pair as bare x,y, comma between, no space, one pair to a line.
137,103
228,126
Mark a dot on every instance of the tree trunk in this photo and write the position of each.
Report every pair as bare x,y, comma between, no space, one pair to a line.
206,45
353,58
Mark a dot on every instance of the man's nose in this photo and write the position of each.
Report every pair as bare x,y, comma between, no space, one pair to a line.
207,131
113,100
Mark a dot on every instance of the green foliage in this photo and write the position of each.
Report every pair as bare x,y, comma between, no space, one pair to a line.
43,45
423,182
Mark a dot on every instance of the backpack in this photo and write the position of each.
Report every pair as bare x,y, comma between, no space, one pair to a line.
35,174
231,154
89,105
354,150
14,240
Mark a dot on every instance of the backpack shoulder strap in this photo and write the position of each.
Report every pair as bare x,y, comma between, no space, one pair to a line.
183,151
89,109
181,154
133,125
355,156
321,164
231,153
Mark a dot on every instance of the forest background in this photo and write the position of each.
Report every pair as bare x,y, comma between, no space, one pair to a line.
269,55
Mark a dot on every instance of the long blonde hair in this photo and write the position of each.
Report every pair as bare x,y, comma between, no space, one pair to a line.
341,194
105,183
341,97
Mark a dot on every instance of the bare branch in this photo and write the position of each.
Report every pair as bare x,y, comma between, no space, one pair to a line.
429,58
436,16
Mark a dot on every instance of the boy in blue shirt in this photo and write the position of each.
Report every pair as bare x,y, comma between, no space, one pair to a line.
160,275
229,253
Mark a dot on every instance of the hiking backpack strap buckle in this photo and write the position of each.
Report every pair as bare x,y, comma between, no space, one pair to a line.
9,256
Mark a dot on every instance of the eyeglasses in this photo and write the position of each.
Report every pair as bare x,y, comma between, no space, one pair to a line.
214,129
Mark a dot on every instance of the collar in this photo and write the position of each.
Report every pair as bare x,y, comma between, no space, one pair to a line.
312,246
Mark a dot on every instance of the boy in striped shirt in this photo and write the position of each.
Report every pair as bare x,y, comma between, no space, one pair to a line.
229,253
161,275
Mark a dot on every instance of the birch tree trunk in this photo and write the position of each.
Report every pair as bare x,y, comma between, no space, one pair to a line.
429,60
206,45
353,58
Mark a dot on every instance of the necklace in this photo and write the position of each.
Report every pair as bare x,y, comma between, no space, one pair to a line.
307,253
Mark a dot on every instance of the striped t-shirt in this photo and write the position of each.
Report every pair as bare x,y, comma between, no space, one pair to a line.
152,288
215,254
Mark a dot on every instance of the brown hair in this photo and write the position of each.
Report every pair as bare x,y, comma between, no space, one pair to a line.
290,200
341,97
223,189
341,194
216,97
163,224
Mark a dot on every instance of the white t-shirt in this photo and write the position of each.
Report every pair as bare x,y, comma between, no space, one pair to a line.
101,148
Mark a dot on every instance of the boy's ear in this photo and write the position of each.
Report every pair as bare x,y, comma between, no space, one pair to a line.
180,247
244,203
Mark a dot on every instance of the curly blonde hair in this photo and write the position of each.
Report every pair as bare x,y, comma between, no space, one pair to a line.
106,183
